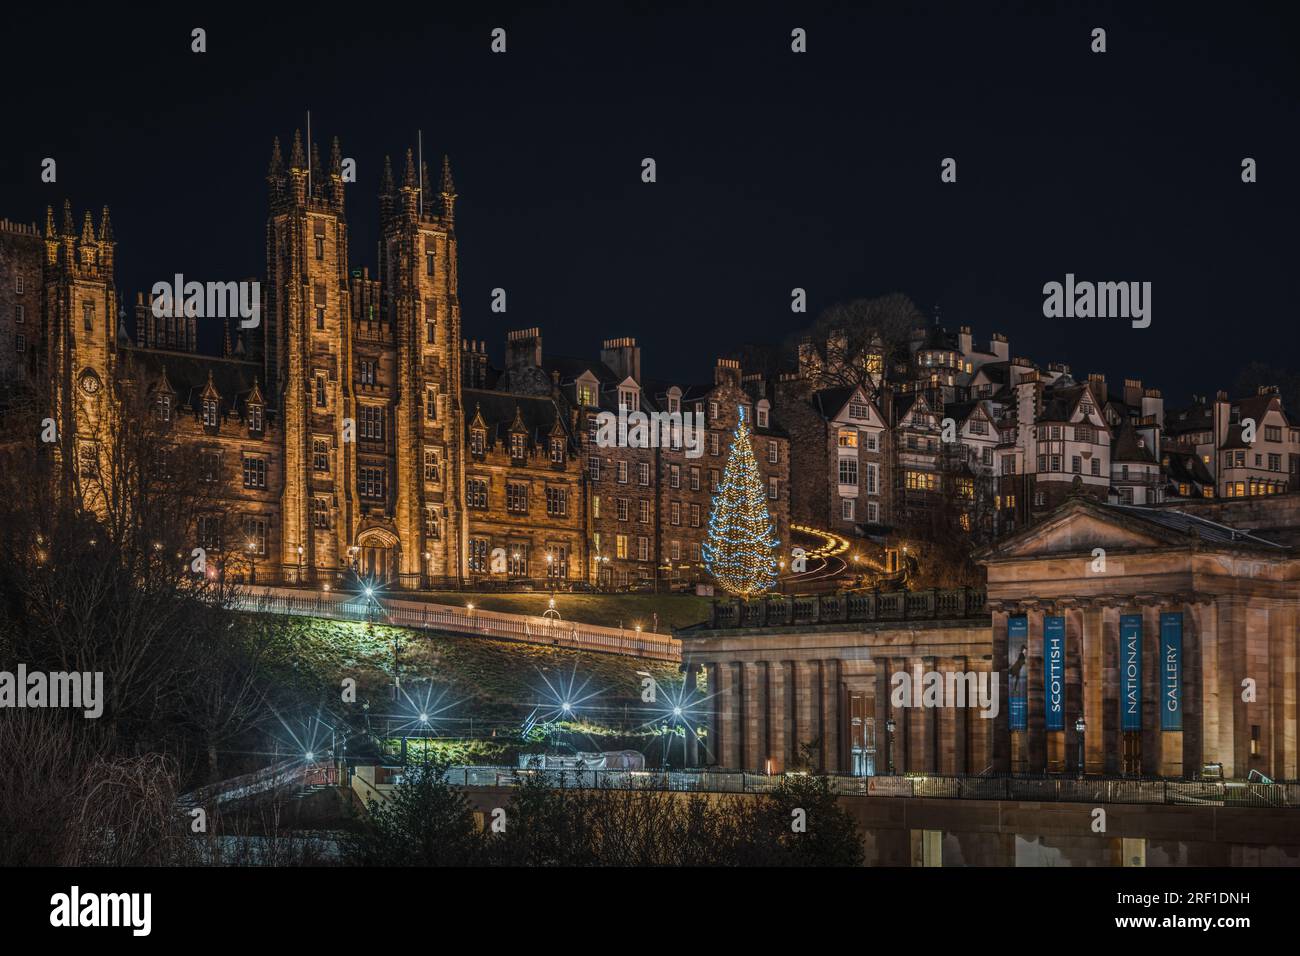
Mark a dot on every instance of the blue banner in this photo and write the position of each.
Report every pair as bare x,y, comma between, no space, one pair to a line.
1018,672
1054,671
1171,671
1130,672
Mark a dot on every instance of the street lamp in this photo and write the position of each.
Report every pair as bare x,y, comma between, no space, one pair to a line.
889,734
1079,728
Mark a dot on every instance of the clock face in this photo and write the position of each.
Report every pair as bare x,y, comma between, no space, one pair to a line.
89,384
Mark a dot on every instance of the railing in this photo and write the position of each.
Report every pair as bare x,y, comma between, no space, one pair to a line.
1006,788
441,617
851,607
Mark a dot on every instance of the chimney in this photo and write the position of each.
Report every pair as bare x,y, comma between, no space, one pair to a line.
1099,390
727,371
523,348
622,355
999,346
964,340
1133,392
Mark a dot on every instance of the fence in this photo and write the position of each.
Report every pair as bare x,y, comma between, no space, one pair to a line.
441,617
1029,789
851,607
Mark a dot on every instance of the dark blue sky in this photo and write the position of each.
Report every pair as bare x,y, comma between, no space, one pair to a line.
775,170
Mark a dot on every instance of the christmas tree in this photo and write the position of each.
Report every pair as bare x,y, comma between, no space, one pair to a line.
740,550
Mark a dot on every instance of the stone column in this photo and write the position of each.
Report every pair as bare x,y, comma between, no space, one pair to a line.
1193,689
884,710
1284,693
727,708
831,716
1037,749
754,750
1073,687
776,705
1234,726
806,711
1110,734
1000,737
1171,741
1093,680
930,725
1152,738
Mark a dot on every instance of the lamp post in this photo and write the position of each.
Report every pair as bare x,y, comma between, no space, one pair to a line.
889,735
300,564
1079,728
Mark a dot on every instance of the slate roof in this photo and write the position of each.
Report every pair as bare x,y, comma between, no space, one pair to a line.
1127,447
1204,529
187,373
498,410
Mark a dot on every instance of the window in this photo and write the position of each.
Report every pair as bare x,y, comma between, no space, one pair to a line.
587,397
846,509
557,502
1274,462
254,472
557,561
18,285
210,466
849,471
255,536
1123,472
371,484
1085,433
642,548
858,411
1008,464
674,476
714,444
431,402
320,389
872,475
517,497
428,263
432,464
476,493
367,372
320,318
629,399
1272,432
430,322
643,511
695,478
977,426
773,453
210,412
643,473
518,446
557,451
320,455
372,422
163,408
20,314
478,554
620,546
919,481
593,467
1096,466
713,411
675,551
595,508
1076,465
432,525
210,532
695,516
675,513
774,488
872,442
88,316
477,440
762,416
622,473
254,418
1056,463
320,513
623,509
715,479
1040,499
20,343
320,247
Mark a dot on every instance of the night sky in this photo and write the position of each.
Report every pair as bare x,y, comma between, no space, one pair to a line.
775,170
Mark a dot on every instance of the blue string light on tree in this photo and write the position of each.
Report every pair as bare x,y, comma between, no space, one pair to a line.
740,550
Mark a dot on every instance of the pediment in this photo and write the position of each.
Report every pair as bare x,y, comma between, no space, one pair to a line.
1079,526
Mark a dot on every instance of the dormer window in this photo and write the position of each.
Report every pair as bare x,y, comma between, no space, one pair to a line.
557,450
164,408
586,396
629,399
762,414
255,418
210,412
477,440
517,447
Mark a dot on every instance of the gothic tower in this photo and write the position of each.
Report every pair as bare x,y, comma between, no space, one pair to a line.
81,329
306,351
418,272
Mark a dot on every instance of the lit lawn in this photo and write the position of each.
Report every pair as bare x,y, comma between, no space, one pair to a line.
611,610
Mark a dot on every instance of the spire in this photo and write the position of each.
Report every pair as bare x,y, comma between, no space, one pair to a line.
448,187
336,158
386,185
408,181
68,228
317,181
49,222
425,189
297,159
105,227
275,170
87,230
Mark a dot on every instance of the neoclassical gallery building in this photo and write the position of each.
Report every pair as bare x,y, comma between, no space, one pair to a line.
1143,641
